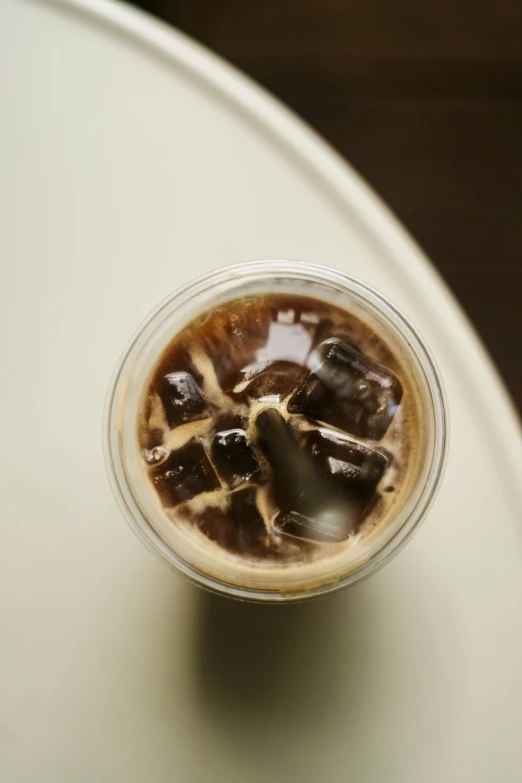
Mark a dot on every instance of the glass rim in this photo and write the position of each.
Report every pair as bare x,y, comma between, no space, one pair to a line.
241,273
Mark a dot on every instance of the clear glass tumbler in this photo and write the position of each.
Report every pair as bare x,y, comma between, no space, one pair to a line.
131,485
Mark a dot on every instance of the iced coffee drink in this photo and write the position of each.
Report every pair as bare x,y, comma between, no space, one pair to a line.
283,434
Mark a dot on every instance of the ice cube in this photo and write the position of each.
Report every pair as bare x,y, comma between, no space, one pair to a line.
353,466
287,341
182,398
235,338
187,472
308,503
233,458
348,390
268,379
353,471
253,337
325,526
240,528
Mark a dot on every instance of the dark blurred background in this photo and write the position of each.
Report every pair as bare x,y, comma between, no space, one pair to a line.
425,100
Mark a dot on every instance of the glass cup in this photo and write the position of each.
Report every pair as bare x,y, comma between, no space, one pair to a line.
232,576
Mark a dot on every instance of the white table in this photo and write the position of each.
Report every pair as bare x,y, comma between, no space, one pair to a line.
131,160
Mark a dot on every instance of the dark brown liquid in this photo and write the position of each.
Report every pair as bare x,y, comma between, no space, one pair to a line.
267,426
